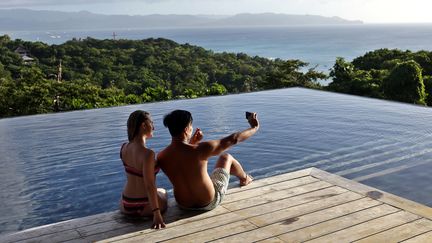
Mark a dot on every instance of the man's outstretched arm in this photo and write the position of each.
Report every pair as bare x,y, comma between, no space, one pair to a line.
215,147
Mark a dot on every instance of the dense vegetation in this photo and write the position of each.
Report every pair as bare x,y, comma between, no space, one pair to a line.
403,76
101,73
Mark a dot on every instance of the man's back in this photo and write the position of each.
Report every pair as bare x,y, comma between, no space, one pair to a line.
184,161
187,172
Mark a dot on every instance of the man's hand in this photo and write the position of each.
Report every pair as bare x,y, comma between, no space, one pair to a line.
253,120
196,137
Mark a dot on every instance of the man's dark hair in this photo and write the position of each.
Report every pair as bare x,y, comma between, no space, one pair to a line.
177,121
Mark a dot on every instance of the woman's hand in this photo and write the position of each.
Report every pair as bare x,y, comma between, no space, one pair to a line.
158,222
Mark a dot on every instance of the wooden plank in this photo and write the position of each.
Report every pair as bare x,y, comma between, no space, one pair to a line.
181,230
423,238
278,195
268,189
300,217
402,232
311,198
216,233
292,207
234,188
69,226
106,234
303,221
382,196
271,240
198,225
286,214
333,225
176,222
368,228
56,237
59,227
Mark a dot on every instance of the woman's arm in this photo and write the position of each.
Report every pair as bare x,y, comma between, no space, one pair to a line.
150,184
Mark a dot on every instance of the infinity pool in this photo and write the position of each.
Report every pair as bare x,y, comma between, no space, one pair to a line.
61,166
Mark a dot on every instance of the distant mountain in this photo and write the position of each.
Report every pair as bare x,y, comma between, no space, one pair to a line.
23,19
271,19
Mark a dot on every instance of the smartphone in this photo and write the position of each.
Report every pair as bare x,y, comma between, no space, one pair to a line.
248,114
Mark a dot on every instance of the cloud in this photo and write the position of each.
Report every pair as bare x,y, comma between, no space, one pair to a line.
35,3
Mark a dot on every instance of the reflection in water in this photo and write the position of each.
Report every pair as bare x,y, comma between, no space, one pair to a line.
61,166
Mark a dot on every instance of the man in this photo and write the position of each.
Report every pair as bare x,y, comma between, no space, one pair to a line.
185,161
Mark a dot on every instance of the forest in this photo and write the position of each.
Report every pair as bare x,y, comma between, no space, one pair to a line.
89,73
390,74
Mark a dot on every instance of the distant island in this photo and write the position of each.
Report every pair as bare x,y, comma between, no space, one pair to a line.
24,19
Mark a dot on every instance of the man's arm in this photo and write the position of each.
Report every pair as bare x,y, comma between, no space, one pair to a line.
215,147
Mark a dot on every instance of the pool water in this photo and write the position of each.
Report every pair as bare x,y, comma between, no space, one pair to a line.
61,166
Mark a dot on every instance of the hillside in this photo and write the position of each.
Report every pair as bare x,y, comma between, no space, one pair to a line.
23,19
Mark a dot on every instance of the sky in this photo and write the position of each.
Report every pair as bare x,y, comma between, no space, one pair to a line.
369,11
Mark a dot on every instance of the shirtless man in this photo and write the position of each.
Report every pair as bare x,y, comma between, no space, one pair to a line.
185,161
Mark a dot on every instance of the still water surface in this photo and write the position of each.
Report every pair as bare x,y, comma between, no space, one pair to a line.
61,166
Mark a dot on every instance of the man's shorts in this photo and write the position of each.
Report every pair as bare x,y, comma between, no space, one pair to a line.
220,178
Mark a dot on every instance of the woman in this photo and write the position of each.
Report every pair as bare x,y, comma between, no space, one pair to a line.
140,196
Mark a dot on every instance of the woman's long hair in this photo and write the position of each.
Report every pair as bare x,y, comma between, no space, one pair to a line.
134,122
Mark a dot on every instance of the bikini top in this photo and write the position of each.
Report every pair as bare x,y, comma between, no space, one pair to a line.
133,171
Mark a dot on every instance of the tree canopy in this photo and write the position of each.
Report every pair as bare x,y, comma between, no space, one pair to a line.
388,74
100,73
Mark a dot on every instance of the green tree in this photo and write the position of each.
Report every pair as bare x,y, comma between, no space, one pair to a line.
427,80
348,79
405,84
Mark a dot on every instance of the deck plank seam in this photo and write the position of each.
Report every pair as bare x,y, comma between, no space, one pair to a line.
80,235
344,215
119,216
63,230
328,233
269,184
229,211
75,229
226,236
44,235
268,238
301,215
148,224
389,198
103,232
246,218
426,232
330,185
391,228
202,230
280,199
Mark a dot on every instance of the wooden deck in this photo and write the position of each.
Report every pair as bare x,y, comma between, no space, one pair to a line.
308,205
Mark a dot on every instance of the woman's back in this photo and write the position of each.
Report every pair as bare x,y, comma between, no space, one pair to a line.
133,157
140,195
